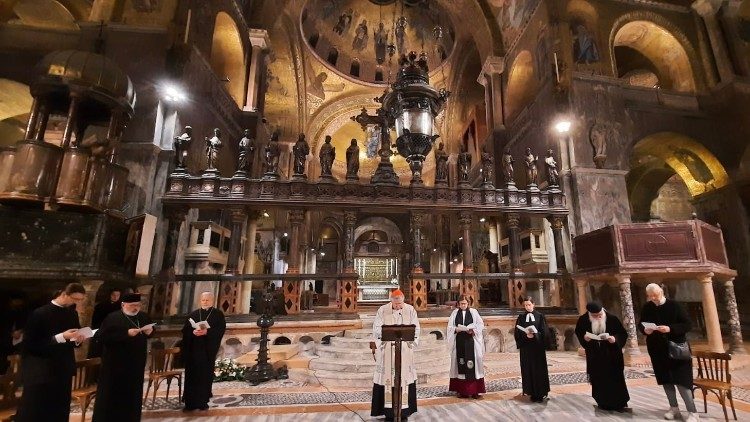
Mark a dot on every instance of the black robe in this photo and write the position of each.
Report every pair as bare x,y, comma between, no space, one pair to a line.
47,367
534,375
667,371
101,310
199,356
605,364
119,394
465,359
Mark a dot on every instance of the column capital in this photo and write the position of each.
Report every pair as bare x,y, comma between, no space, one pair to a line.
729,282
580,282
557,221
512,220
259,38
464,219
350,218
238,215
707,278
416,219
493,65
252,215
176,214
296,217
623,278
705,8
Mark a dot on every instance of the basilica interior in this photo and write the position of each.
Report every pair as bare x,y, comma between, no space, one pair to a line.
329,152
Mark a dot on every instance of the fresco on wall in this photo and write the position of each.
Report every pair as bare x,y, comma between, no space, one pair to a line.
511,16
281,99
584,44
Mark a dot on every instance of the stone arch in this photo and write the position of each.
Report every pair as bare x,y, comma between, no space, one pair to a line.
228,57
282,340
584,11
493,341
658,157
438,334
306,339
15,105
326,339
648,40
379,223
522,85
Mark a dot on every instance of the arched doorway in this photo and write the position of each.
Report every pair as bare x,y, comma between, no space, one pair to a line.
227,57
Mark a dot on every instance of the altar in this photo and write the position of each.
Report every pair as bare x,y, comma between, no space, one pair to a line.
378,276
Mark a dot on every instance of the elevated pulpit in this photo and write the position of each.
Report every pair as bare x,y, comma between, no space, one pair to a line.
397,334
679,250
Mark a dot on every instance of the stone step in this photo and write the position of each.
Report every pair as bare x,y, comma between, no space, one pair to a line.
364,343
364,354
431,366
335,379
367,334
275,353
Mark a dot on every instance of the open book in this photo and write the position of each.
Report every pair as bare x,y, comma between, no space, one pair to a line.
145,327
87,332
530,329
648,325
200,325
602,336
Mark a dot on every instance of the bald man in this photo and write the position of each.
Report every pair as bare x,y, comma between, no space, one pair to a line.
394,313
201,338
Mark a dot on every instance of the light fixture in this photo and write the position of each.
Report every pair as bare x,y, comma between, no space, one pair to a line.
286,234
172,93
461,238
563,126
265,214
322,254
482,220
312,249
434,249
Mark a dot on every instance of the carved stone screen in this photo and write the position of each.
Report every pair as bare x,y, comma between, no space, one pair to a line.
644,244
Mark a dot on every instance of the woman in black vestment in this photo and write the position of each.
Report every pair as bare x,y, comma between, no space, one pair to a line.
672,324
124,336
199,348
534,375
48,360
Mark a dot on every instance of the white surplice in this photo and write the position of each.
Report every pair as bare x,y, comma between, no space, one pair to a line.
478,327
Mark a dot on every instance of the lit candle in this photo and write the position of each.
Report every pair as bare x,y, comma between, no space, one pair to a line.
557,70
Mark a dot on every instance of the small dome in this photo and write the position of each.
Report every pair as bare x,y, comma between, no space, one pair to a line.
93,73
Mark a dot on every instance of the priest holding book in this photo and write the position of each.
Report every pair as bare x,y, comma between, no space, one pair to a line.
124,336
466,343
201,338
531,340
603,336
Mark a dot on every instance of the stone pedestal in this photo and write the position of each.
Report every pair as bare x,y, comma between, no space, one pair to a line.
348,292
418,291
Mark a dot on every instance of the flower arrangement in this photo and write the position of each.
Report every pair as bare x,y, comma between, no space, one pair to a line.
228,370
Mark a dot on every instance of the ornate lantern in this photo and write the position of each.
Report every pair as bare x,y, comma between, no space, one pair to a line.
412,105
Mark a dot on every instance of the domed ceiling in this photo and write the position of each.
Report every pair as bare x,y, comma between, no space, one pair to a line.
352,37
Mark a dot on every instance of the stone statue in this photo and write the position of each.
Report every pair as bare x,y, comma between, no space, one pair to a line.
598,137
181,145
508,167
272,153
531,171
552,174
352,161
464,165
300,150
441,165
247,150
212,149
488,168
327,155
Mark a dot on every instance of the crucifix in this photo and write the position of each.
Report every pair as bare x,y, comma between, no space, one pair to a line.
384,174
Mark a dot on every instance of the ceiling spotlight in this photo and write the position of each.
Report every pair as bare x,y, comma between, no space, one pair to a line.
322,254
173,94
265,214
562,126
286,234
482,220
461,238
313,249
434,249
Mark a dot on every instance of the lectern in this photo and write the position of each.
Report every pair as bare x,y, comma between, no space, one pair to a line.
397,334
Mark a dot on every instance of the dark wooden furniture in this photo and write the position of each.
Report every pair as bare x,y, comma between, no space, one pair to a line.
714,376
161,369
84,383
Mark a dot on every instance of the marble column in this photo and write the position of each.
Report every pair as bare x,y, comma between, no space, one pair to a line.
736,345
490,78
260,42
347,286
628,314
418,287
246,288
516,287
229,290
469,283
557,222
707,10
493,236
582,286
711,314
166,293
292,288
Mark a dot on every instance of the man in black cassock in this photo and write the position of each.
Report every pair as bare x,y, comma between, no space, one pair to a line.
124,336
199,349
605,364
101,310
48,360
534,375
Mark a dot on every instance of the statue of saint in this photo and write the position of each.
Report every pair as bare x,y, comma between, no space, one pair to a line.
508,167
552,173
441,164
464,165
181,145
381,40
272,153
531,171
300,150
488,167
247,149
352,160
212,149
598,138
327,155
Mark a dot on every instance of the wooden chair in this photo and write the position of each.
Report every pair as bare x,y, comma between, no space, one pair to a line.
84,383
162,368
9,389
714,376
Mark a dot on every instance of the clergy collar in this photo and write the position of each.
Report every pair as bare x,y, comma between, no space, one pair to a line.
662,301
56,304
206,309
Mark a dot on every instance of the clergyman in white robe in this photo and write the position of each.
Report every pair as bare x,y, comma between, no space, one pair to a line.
466,343
394,313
